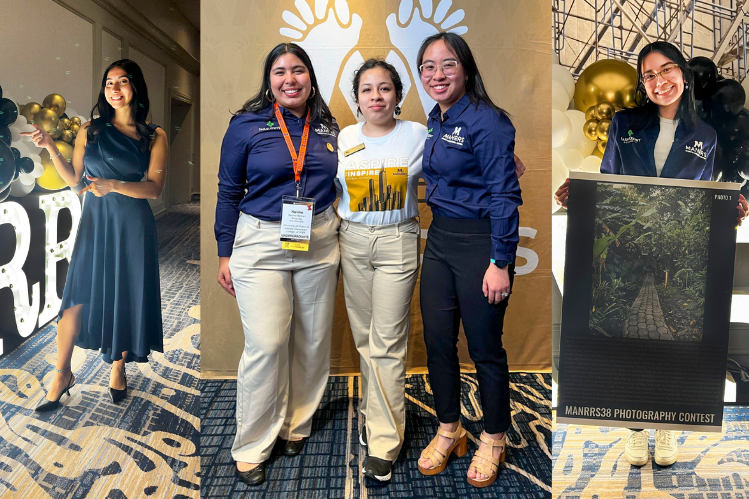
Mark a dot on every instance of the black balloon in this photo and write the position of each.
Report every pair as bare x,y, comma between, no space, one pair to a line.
5,135
728,99
8,112
1,91
25,165
705,76
4,194
16,152
7,166
734,130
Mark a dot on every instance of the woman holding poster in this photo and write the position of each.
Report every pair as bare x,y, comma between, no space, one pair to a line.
663,137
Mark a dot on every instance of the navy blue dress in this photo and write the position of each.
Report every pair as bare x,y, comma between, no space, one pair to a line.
114,268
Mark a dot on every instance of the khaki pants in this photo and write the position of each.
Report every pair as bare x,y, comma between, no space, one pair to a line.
286,301
380,265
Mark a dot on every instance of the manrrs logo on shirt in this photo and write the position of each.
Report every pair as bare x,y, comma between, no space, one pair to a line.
697,149
324,130
454,137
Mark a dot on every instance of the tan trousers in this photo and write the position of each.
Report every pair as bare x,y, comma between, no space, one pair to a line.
379,266
286,301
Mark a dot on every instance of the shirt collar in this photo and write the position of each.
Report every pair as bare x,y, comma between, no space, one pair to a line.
454,111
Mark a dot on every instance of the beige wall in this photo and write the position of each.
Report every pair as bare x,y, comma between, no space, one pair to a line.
511,42
63,47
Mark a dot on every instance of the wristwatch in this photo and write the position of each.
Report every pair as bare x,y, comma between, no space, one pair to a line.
499,263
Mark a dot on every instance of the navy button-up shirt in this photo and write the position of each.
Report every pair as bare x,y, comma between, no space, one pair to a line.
256,170
630,149
469,169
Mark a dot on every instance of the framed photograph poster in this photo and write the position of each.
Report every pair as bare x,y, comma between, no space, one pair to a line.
647,299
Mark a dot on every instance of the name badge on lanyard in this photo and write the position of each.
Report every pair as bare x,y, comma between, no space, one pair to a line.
297,212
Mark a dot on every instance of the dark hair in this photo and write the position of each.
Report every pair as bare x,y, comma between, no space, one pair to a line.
371,64
687,111
474,84
318,109
139,106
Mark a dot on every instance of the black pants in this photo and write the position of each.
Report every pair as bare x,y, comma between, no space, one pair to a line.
455,260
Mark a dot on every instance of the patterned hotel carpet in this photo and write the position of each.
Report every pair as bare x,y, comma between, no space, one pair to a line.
330,465
145,447
589,464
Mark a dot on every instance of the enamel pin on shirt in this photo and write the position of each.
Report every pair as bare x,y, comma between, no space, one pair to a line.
349,152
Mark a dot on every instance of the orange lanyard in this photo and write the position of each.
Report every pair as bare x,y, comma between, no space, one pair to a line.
298,161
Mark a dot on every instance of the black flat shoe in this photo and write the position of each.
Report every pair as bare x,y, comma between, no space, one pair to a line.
255,476
51,405
117,395
293,447
378,469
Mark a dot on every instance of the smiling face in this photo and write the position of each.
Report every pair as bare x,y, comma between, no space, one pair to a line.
376,96
665,89
117,88
290,83
446,90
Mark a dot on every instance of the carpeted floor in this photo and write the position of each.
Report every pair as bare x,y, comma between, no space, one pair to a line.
330,465
147,445
589,464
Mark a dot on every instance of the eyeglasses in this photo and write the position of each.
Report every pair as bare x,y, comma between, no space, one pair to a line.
449,68
667,70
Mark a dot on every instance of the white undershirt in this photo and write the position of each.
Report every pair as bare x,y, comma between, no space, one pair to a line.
664,143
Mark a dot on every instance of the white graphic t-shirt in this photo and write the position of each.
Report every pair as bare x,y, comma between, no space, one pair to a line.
377,182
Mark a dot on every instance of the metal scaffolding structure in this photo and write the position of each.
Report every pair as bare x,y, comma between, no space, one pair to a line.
585,31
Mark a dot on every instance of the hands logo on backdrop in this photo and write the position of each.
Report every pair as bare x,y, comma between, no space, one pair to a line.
328,35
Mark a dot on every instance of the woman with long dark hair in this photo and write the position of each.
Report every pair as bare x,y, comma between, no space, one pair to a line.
468,267
662,137
112,299
277,235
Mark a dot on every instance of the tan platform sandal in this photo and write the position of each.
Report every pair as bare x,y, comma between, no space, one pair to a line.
485,462
437,457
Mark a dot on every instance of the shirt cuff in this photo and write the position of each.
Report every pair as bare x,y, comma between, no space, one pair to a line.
225,249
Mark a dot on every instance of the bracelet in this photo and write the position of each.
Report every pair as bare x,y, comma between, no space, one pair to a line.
58,154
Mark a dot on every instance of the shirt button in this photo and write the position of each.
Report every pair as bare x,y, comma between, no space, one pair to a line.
371,229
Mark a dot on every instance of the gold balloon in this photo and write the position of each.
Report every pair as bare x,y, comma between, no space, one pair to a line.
604,110
46,119
56,102
590,114
65,148
589,129
56,133
597,152
76,120
75,127
67,136
29,110
602,145
64,123
602,130
50,179
606,80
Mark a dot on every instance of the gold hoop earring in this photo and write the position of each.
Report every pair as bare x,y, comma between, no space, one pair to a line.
269,96
312,94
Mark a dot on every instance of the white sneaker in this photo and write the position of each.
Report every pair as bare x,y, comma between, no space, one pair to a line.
636,449
666,448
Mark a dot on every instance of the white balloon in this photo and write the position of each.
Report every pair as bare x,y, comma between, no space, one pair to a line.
560,127
21,146
26,179
592,164
20,121
27,128
559,174
577,135
69,111
573,159
19,189
554,58
563,76
560,99
14,137
38,170
35,158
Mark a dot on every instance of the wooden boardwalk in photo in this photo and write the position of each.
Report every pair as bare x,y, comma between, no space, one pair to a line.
645,318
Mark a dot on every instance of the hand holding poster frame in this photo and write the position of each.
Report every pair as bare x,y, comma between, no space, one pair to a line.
647,299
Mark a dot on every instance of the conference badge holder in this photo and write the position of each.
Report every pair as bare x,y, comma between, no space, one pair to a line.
296,222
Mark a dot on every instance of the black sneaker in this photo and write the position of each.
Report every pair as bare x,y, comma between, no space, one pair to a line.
377,469
363,436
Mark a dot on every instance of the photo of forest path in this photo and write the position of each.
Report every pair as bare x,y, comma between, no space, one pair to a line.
649,262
